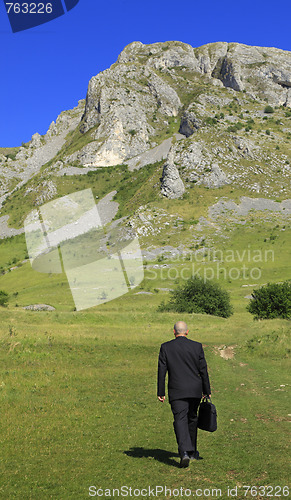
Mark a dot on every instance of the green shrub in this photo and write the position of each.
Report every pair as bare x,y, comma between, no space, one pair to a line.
234,128
199,296
12,156
271,301
210,120
268,109
3,298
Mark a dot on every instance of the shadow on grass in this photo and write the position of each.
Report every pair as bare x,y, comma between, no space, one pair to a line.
161,455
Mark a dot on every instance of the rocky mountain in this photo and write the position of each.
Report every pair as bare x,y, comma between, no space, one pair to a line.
213,116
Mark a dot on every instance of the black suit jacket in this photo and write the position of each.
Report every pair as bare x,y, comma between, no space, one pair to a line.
185,363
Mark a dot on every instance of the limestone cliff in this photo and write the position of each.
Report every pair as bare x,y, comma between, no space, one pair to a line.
217,114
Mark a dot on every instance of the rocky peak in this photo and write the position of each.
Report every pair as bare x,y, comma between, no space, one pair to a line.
134,110
138,81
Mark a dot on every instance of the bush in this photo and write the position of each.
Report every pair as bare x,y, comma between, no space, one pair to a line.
199,296
234,128
3,298
271,301
12,156
210,121
268,109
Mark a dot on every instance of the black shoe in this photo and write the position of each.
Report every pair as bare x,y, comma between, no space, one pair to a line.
195,456
185,460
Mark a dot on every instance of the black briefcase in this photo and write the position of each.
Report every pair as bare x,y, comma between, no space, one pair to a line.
207,416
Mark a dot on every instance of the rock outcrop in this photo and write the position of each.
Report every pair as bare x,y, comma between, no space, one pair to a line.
39,307
189,123
172,186
40,150
214,178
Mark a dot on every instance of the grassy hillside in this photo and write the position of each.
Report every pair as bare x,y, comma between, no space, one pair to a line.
79,408
78,389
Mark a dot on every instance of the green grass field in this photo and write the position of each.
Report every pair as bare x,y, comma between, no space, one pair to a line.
78,389
79,407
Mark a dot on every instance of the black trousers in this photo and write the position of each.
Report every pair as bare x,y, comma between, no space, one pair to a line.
185,423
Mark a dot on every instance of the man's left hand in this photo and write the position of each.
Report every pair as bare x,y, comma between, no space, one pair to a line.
161,398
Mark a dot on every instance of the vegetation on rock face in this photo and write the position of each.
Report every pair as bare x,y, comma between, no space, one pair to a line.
271,301
199,296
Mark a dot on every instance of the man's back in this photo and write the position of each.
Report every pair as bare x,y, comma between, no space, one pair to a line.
188,380
187,369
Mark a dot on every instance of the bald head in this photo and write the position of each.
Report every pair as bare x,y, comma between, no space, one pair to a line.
180,328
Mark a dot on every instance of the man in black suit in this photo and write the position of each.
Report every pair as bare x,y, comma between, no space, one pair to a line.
188,380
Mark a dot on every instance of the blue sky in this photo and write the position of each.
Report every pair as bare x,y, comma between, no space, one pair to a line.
46,69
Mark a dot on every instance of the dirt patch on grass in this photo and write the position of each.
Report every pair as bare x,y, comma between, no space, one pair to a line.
265,418
226,352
